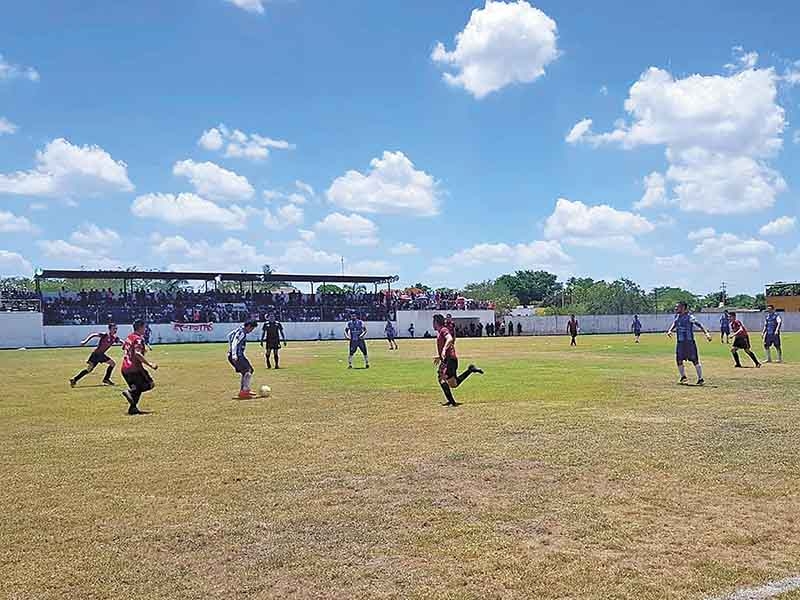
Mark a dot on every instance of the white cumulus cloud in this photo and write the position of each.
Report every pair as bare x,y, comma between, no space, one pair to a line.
538,254
701,234
392,185
188,208
11,71
64,169
503,43
655,192
304,187
90,234
285,216
238,144
780,226
7,127
729,250
11,223
404,249
602,226
253,6
214,182
354,229
719,132
200,255
13,264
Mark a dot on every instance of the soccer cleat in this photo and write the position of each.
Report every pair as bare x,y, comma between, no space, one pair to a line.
474,369
701,382
72,383
366,366
133,410
738,366
683,379
758,365
349,366
246,395
108,382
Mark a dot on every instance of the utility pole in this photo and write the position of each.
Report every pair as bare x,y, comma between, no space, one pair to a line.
343,265
724,294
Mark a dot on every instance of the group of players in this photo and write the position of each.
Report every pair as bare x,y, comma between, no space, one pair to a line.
136,345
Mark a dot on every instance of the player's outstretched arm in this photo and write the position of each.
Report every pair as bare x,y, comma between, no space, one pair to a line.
90,337
671,329
363,332
778,326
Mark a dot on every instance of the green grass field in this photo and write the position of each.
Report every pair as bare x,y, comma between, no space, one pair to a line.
585,473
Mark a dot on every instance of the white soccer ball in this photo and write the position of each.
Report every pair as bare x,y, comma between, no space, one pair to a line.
266,391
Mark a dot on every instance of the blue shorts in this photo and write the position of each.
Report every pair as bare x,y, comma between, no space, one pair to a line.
358,344
242,365
686,351
725,330
772,339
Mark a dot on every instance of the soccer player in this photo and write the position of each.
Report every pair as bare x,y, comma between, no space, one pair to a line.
447,361
741,341
572,329
724,328
636,326
356,331
772,333
271,336
133,362
104,341
411,330
237,340
686,348
390,334
147,334
450,324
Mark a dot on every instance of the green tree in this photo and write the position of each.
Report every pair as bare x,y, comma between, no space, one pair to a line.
329,288
491,290
664,299
531,286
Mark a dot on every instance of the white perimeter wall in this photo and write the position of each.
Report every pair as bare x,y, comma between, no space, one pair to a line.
754,322
423,319
20,329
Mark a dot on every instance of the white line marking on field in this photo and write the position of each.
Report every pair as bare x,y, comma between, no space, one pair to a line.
768,590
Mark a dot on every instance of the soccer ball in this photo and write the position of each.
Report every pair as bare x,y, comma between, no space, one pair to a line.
265,391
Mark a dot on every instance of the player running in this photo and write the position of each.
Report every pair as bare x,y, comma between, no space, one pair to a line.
98,355
686,348
447,361
724,328
237,340
271,336
636,327
572,329
356,331
741,341
133,362
772,333
390,334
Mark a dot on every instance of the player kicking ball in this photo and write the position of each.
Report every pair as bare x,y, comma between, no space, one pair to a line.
237,341
98,355
741,341
133,362
447,361
686,349
356,332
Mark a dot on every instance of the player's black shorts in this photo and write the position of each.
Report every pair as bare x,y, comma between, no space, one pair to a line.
448,368
95,358
242,365
390,337
272,344
359,344
138,379
772,339
741,342
686,351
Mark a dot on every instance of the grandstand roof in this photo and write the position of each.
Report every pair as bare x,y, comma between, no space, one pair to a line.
211,275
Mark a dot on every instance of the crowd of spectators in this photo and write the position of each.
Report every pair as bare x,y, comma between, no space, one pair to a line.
418,299
191,306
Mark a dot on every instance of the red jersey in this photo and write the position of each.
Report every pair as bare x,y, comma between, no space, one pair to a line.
736,325
572,327
106,341
441,340
133,343
451,327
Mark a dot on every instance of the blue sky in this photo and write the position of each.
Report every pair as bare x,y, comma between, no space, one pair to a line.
186,134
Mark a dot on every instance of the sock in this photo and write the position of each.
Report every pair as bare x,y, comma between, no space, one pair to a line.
248,377
736,359
460,379
276,358
269,364
80,375
699,368
682,370
447,393
350,360
109,371
769,354
752,357
780,355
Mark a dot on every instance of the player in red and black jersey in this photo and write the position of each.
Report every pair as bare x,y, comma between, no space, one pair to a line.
133,362
98,355
447,361
741,341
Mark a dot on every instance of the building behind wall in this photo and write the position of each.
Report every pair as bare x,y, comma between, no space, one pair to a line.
784,296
